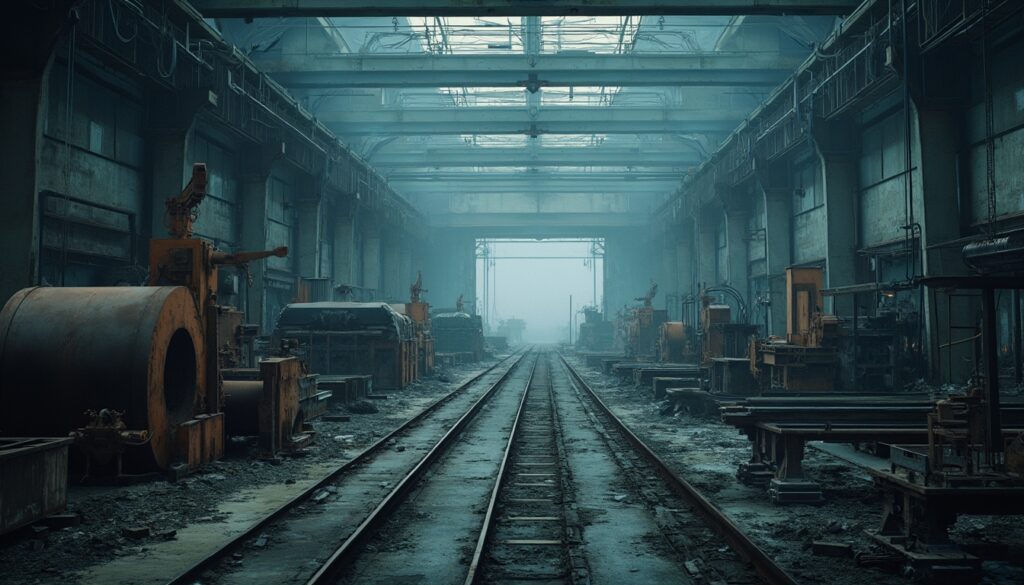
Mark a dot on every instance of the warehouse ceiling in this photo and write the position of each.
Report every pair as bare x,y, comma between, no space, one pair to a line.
514,116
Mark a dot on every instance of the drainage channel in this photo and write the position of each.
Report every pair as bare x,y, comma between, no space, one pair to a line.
293,541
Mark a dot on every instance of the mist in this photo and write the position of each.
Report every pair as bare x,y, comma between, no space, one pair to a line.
533,280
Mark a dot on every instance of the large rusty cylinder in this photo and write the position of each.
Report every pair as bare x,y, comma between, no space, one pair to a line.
139,350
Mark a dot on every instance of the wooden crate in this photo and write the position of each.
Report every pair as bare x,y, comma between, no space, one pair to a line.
33,479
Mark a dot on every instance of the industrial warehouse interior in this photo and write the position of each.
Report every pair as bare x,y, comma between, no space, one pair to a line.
567,292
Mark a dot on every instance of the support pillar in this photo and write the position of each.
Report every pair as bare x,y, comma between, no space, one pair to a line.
737,231
685,265
392,269
778,206
346,251
170,171
29,36
254,190
405,271
935,199
834,144
372,254
707,245
310,235
21,116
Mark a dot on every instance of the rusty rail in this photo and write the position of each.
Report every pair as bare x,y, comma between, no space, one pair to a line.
485,531
765,567
192,574
349,549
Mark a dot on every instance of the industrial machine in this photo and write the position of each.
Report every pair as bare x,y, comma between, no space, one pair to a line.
720,337
512,330
351,338
676,343
971,463
641,326
132,372
806,360
419,312
596,334
459,334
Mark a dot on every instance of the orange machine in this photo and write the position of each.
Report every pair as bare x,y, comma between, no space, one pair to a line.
419,312
806,360
675,343
132,372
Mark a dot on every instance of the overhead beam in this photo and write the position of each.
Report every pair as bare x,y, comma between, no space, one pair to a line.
312,8
548,120
323,71
412,188
499,177
549,224
542,157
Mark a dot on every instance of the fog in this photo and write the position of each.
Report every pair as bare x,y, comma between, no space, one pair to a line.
533,280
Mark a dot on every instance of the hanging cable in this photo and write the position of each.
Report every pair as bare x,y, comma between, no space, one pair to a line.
115,19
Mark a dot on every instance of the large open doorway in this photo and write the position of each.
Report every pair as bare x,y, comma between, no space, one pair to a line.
545,283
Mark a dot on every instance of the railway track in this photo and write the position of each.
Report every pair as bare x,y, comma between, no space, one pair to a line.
538,482
284,547
701,510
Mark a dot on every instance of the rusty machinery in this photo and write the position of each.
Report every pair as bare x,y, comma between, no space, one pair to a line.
419,311
596,334
275,386
458,336
676,343
722,334
148,354
640,326
972,463
351,338
806,360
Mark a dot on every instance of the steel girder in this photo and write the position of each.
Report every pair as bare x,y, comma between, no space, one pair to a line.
320,71
540,157
310,8
548,120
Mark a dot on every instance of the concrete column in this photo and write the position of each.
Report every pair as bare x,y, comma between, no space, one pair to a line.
935,199
29,36
407,275
22,103
834,144
667,279
391,267
737,229
778,206
685,258
346,250
372,254
254,192
310,234
170,171
707,245
466,258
